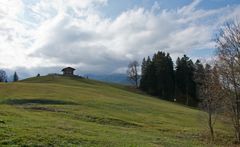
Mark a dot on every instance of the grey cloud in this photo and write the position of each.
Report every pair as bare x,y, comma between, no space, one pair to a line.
132,35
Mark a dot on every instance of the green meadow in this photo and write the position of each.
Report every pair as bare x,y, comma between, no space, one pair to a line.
70,111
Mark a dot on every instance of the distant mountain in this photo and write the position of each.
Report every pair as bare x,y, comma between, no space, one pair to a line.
111,78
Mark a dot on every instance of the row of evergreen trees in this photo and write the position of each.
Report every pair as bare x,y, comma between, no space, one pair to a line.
161,78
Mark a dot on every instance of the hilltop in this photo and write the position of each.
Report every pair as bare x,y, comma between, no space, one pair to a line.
70,111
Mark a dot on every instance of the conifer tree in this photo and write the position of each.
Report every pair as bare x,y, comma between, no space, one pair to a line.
143,74
164,75
185,80
15,77
158,75
199,76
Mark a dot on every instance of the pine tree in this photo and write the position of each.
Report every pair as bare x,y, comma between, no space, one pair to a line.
185,80
158,75
15,77
144,66
150,77
164,75
143,74
199,77
158,61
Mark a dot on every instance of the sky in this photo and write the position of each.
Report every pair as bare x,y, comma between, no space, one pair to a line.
103,36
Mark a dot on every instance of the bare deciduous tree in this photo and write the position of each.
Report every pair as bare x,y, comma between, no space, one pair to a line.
210,95
3,76
228,42
132,72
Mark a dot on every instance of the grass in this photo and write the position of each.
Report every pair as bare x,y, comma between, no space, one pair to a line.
65,111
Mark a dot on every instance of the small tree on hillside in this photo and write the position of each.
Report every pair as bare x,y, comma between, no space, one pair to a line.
15,77
132,72
211,97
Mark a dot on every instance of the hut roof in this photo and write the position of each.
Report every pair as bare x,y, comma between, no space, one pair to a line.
70,68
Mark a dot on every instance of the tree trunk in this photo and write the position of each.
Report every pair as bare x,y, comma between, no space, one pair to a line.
237,118
187,100
237,128
210,126
187,84
136,81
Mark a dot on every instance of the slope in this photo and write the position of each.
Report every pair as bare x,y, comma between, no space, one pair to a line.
70,111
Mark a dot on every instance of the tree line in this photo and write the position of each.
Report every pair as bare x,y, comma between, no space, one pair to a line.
159,77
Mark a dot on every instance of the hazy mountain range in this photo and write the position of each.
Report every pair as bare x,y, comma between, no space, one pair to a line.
111,78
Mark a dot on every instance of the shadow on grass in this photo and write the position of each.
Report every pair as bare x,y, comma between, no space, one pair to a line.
106,121
36,101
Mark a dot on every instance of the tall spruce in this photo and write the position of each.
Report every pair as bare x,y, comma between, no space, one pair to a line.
158,75
15,77
164,75
199,77
185,81
143,74
150,77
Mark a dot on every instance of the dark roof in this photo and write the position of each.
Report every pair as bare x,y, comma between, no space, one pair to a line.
68,68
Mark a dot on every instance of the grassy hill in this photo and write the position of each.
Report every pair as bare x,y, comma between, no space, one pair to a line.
56,110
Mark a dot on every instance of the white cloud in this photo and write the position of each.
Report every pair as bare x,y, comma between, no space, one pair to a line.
62,32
